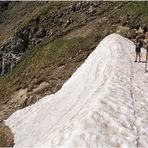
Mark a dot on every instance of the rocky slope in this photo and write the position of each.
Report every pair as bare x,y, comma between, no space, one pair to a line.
43,44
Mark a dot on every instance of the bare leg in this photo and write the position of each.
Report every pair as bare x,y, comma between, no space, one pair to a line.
146,62
139,57
136,57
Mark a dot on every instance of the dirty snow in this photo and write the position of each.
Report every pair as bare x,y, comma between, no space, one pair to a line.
103,104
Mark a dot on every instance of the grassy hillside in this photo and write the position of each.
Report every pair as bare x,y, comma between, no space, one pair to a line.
136,9
14,15
34,62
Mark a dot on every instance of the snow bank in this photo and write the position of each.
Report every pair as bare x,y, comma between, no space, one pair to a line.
94,107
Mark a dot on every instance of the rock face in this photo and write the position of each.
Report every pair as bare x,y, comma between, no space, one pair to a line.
41,33
13,50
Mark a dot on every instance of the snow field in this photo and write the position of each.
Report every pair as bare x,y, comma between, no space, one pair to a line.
103,104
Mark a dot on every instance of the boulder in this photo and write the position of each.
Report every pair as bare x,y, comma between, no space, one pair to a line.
18,45
6,63
33,30
91,9
144,27
41,33
13,49
14,44
36,41
68,22
140,30
85,5
78,6
71,8
9,61
60,14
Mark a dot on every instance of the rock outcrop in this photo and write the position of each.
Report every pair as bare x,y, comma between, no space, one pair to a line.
14,48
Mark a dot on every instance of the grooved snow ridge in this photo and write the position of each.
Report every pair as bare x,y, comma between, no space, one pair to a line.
94,108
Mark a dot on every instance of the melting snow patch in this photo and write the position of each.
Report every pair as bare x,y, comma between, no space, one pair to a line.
94,108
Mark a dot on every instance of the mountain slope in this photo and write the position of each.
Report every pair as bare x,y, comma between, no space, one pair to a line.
96,107
60,36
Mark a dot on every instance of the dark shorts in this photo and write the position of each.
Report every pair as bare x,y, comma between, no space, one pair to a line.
138,50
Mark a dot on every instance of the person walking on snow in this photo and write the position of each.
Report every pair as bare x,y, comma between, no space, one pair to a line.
139,45
145,41
146,58
147,53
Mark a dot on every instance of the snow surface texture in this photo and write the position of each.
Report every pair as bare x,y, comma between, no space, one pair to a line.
103,104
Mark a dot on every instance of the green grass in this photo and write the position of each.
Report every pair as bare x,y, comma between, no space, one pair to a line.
49,7
40,55
135,8
33,62
13,17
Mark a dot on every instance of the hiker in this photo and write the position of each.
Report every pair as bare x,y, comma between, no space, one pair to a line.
139,45
146,58
146,45
147,53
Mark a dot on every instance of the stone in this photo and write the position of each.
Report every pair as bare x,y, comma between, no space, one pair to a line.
18,45
64,11
140,30
9,61
60,14
85,4
13,50
91,9
96,3
36,41
32,31
144,27
24,34
51,32
132,34
41,33
60,22
71,8
78,6
68,22
90,18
